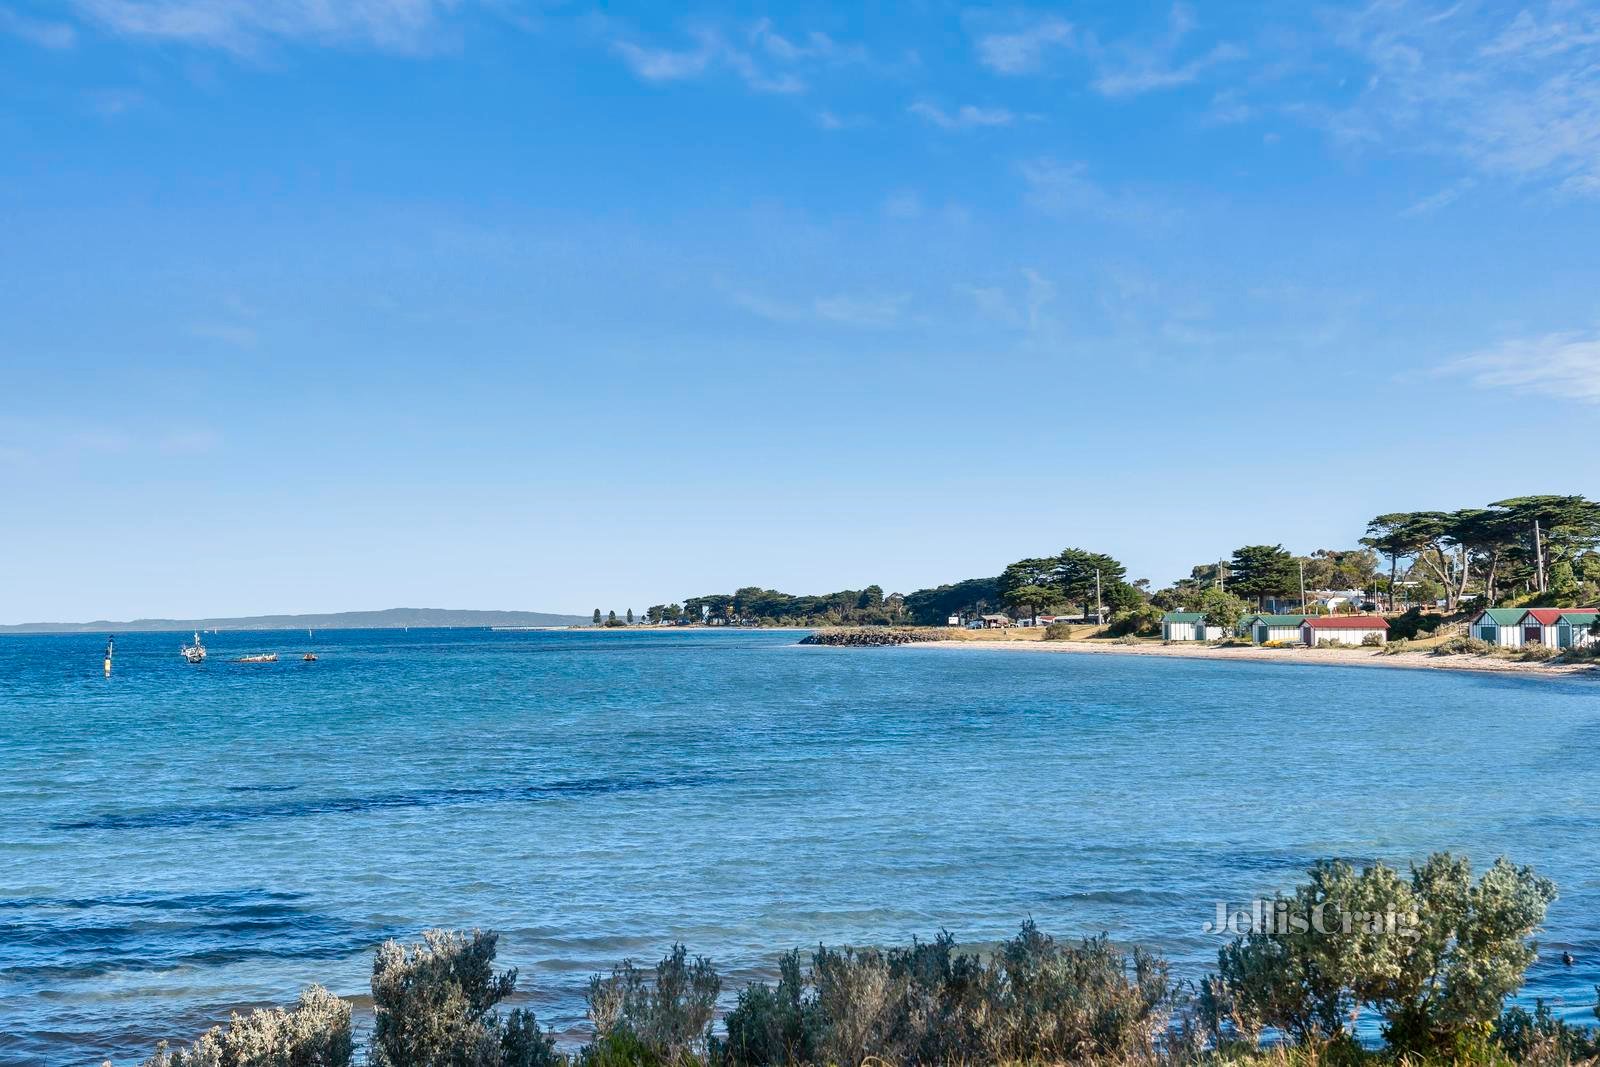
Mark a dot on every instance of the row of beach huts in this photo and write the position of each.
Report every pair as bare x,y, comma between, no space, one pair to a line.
1506,627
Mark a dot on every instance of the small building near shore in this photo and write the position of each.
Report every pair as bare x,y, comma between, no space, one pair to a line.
1277,629
1498,626
1344,630
1189,626
1575,628
996,622
1542,626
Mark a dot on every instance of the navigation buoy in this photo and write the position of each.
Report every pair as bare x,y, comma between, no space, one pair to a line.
111,644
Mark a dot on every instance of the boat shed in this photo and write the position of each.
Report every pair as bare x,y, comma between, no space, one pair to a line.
1344,629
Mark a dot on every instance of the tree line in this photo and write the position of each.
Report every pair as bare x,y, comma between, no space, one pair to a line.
1523,550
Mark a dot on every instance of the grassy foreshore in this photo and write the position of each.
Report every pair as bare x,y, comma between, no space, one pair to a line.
1086,639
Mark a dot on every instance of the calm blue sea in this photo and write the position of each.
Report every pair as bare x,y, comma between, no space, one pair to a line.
179,841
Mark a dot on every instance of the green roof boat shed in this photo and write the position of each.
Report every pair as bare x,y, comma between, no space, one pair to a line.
1498,626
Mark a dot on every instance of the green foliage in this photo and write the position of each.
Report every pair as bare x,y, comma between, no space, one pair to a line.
597,616
1263,570
666,1019
1412,624
314,1033
1145,620
1537,653
1372,640
1539,1037
1058,631
1075,573
433,1005
1435,955
975,596
1463,645
1034,1000
1221,608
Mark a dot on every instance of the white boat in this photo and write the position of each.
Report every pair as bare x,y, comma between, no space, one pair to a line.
195,653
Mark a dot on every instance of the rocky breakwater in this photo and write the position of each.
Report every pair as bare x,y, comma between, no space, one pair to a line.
874,636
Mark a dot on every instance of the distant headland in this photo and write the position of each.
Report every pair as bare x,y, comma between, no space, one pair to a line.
387,619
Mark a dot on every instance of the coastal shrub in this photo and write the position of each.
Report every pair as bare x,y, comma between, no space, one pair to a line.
1033,1000
434,1006
314,1033
1436,955
1144,620
1414,623
1462,645
1372,640
1539,1036
666,1019
1058,631
1395,647
1537,653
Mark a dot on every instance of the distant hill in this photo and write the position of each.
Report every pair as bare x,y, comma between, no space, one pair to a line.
388,619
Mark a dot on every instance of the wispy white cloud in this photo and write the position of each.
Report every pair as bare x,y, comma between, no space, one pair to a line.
1564,365
243,25
42,32
1513,95
764,59
1443,198
1065,189
966,117
1018,306
1023,50
870,310
833,121
1131,68
877,310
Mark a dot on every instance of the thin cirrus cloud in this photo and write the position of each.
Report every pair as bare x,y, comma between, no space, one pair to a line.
966,117
1129,68
1512,95
764,59
243,25
1564,365
44,33
1062,189
1025,49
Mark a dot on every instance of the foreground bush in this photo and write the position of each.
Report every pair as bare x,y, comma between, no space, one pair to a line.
434,1006
666,1019
1034,1000
1436,955
314,1033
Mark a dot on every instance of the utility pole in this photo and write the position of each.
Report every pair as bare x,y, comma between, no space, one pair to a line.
1099,612
1538,554
1302,587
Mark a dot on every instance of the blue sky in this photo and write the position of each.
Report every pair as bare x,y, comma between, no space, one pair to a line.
309,306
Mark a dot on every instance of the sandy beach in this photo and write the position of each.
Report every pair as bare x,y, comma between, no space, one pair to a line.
1343,657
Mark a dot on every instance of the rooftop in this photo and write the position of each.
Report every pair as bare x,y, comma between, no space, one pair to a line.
1348,622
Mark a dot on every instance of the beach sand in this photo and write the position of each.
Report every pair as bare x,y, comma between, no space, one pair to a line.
1342,657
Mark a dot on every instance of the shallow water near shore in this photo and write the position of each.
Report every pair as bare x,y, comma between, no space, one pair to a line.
178,841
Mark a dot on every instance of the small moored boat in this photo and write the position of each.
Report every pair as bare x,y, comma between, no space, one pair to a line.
264,657
195,653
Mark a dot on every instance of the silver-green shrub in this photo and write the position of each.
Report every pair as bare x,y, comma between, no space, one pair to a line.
314,1033
434,1006
1032,1000
664,1019
1435,955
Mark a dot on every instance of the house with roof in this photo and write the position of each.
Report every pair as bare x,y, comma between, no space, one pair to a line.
1344,630
1575,628
1542,626
1281,629
1189,626
1498,626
